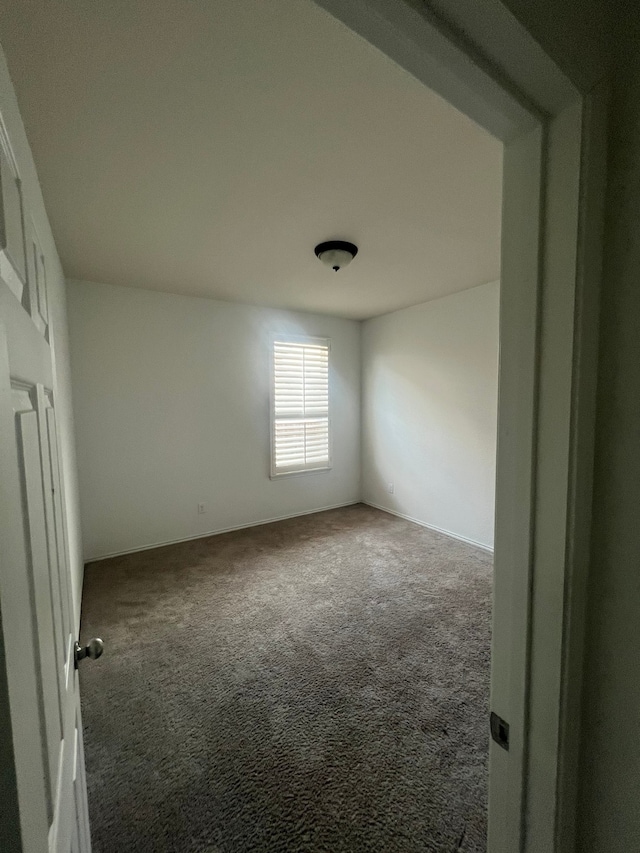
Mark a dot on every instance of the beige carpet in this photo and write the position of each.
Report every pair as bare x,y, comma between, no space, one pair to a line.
318,685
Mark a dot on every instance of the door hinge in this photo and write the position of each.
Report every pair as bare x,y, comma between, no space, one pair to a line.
499,730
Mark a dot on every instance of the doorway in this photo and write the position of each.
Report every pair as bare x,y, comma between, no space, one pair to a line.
544,423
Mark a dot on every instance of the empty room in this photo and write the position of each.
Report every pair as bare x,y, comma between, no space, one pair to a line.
282,256
260,285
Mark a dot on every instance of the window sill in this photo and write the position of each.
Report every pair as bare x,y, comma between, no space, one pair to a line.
282,474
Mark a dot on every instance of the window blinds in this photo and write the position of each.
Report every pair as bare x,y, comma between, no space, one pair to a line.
300,406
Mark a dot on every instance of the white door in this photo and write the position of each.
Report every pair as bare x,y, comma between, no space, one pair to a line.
38,626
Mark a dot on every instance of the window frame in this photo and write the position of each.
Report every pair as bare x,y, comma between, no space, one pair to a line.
298,339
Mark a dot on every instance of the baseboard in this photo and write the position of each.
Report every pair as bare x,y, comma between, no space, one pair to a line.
431,527
218,532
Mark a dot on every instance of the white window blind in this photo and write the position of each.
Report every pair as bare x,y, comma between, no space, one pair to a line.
300,406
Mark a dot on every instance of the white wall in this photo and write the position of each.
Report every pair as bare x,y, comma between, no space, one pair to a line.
429,412
34,205
171,397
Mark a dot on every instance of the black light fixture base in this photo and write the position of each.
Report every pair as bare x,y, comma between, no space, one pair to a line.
342,245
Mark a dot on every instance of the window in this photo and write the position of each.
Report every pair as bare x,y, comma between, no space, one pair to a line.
300,406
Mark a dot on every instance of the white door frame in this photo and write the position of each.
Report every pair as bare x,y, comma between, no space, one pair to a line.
479,58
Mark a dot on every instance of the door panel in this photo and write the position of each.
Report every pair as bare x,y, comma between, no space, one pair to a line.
12,242
31,476
35,589
58,734
56,582
64,591
35,297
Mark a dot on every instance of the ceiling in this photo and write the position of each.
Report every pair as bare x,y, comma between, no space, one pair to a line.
206,147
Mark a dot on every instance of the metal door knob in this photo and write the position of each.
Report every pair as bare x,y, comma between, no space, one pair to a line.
93,650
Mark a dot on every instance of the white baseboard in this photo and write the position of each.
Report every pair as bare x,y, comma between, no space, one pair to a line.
431,527
218,532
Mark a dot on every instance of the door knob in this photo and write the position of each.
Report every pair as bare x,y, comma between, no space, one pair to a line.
92,650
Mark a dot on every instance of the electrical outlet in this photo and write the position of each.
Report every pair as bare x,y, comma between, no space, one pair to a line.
390,488
201,509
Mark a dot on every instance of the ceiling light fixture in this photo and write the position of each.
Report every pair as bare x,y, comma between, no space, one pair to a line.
336,253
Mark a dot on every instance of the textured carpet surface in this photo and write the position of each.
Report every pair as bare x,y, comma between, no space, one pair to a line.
318,685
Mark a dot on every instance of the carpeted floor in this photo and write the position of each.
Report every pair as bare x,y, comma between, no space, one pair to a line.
318,685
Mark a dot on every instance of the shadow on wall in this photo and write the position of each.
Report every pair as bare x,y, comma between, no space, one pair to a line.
430,380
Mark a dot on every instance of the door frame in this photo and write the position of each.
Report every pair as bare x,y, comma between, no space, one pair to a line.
480,59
